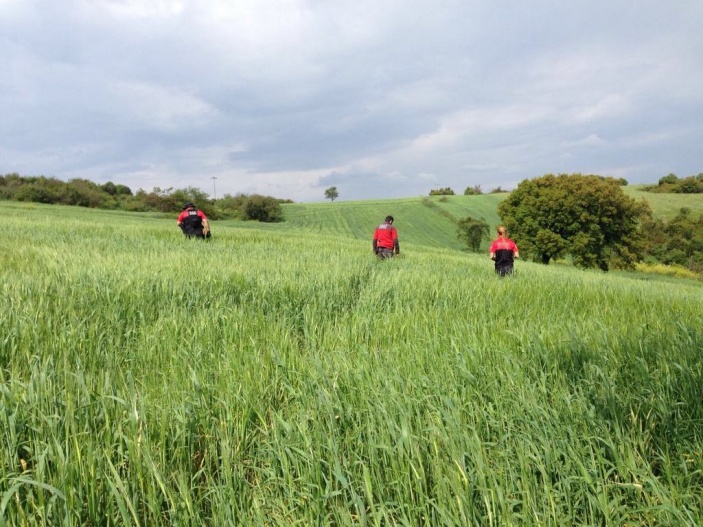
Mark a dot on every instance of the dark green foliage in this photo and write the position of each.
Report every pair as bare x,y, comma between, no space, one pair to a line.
473,191
116,190
263,208
446,191
690,185
472,231
673,184
587,217
671,179
81,192
85,193
331,193
232,206
110,188
41,190
678,242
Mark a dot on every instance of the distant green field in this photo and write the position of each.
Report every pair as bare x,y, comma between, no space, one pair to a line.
666,206
280,375
417,222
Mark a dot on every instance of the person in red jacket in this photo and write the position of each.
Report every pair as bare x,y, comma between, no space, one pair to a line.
385,239
193,222
503,251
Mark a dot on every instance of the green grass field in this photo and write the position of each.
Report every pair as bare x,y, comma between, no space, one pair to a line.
281,375
666,206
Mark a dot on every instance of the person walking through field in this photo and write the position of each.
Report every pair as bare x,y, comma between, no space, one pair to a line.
385,239
503,252
193,222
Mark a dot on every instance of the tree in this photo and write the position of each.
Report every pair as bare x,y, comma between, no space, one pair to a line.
472,231
587,217
473,191
331,193
670,178
445,191
263,208
84,193
674,184
109,187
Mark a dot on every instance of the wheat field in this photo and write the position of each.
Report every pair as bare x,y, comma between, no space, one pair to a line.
277,376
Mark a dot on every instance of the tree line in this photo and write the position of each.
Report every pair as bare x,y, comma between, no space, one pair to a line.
584,218
111,196
673,184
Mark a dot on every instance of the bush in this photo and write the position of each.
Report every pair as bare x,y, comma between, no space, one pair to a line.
689,185
41,190
472,231
263,208
671,178
446,191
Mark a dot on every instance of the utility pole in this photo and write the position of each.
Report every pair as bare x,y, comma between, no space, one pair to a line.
214,190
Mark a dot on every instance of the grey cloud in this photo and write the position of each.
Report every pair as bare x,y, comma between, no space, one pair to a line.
374,94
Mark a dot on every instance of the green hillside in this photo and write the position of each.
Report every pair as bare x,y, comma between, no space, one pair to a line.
421,220
428,220
666,206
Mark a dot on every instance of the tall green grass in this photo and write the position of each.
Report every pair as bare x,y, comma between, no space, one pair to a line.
278,377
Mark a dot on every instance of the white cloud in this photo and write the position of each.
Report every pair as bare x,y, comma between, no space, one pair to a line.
142,8
160,107
591,140
384,96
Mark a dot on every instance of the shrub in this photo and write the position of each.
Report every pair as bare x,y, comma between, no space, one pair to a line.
446,191
263,208
671,178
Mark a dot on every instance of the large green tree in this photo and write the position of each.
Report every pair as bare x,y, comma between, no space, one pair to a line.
587,217
331,193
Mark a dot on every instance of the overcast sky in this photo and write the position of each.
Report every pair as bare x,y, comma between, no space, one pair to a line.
380,98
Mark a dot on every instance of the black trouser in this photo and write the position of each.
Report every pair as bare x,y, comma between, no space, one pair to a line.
193,233
504,270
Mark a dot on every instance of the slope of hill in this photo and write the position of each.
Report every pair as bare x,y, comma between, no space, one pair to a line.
666,206
430,220
426,221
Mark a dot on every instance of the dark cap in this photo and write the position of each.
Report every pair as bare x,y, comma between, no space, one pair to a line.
188,205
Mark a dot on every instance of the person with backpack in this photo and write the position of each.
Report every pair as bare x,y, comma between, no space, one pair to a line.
193,222
385,239
503,252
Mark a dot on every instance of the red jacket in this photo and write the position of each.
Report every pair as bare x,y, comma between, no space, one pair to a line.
385,236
